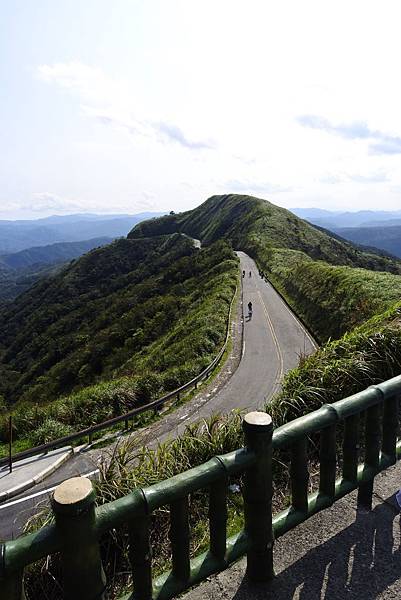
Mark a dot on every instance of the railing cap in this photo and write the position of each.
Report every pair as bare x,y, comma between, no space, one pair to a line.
73,496
257,421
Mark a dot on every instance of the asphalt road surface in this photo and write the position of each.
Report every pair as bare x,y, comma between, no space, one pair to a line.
274,340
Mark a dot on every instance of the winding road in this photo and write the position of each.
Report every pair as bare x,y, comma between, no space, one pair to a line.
274,340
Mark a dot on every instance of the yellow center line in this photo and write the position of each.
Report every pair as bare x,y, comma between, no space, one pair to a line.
274,336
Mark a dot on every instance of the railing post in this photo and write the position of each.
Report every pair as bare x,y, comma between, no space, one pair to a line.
390,427
218,518
179,535
350,449
12,587
141,558
299,474
74,509
328,462
372,450
258,430
11,583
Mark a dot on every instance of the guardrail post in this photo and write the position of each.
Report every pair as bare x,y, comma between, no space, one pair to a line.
258,430
10,443
74,509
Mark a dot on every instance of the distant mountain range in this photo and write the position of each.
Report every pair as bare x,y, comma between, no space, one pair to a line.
53,253
22,234
30,250
19,271
368,228
386,238
362,218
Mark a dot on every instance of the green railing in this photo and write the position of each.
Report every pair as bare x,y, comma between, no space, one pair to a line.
79,525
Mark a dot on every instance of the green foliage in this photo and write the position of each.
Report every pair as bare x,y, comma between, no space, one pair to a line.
369,354
49,430
331,299
19,271
116,329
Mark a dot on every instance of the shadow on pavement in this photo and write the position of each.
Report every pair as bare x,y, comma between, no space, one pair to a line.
361,561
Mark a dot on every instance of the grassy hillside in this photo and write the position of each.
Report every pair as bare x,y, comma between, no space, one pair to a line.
116,328
300,259
249,221
368,354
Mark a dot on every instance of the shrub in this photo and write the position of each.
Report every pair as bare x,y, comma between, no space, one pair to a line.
49,430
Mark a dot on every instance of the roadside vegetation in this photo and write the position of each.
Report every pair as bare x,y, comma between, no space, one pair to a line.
330,299
369,354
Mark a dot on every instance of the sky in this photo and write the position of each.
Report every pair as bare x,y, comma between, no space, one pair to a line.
155,105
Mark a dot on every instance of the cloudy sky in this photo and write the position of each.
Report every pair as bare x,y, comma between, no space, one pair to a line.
137,105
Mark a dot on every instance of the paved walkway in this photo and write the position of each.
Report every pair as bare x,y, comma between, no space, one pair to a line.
30,471
340,553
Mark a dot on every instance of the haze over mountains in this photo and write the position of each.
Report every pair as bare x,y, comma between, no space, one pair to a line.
32,249
20,270
378,229
21,234
361,218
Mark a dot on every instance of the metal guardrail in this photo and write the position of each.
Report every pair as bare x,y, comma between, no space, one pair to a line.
154,405
79,525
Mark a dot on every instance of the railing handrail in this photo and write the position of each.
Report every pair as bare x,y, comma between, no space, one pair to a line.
142,501
88,431
330,414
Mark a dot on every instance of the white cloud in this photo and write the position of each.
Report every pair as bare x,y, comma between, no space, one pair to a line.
209,94
248,186
110,103
45,201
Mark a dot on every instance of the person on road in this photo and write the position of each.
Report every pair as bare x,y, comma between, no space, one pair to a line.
250,308
250,273
243,273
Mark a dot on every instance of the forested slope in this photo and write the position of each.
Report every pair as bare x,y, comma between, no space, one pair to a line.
117,327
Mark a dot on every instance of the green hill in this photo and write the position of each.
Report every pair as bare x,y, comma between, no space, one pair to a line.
342,291
313,270
117,327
